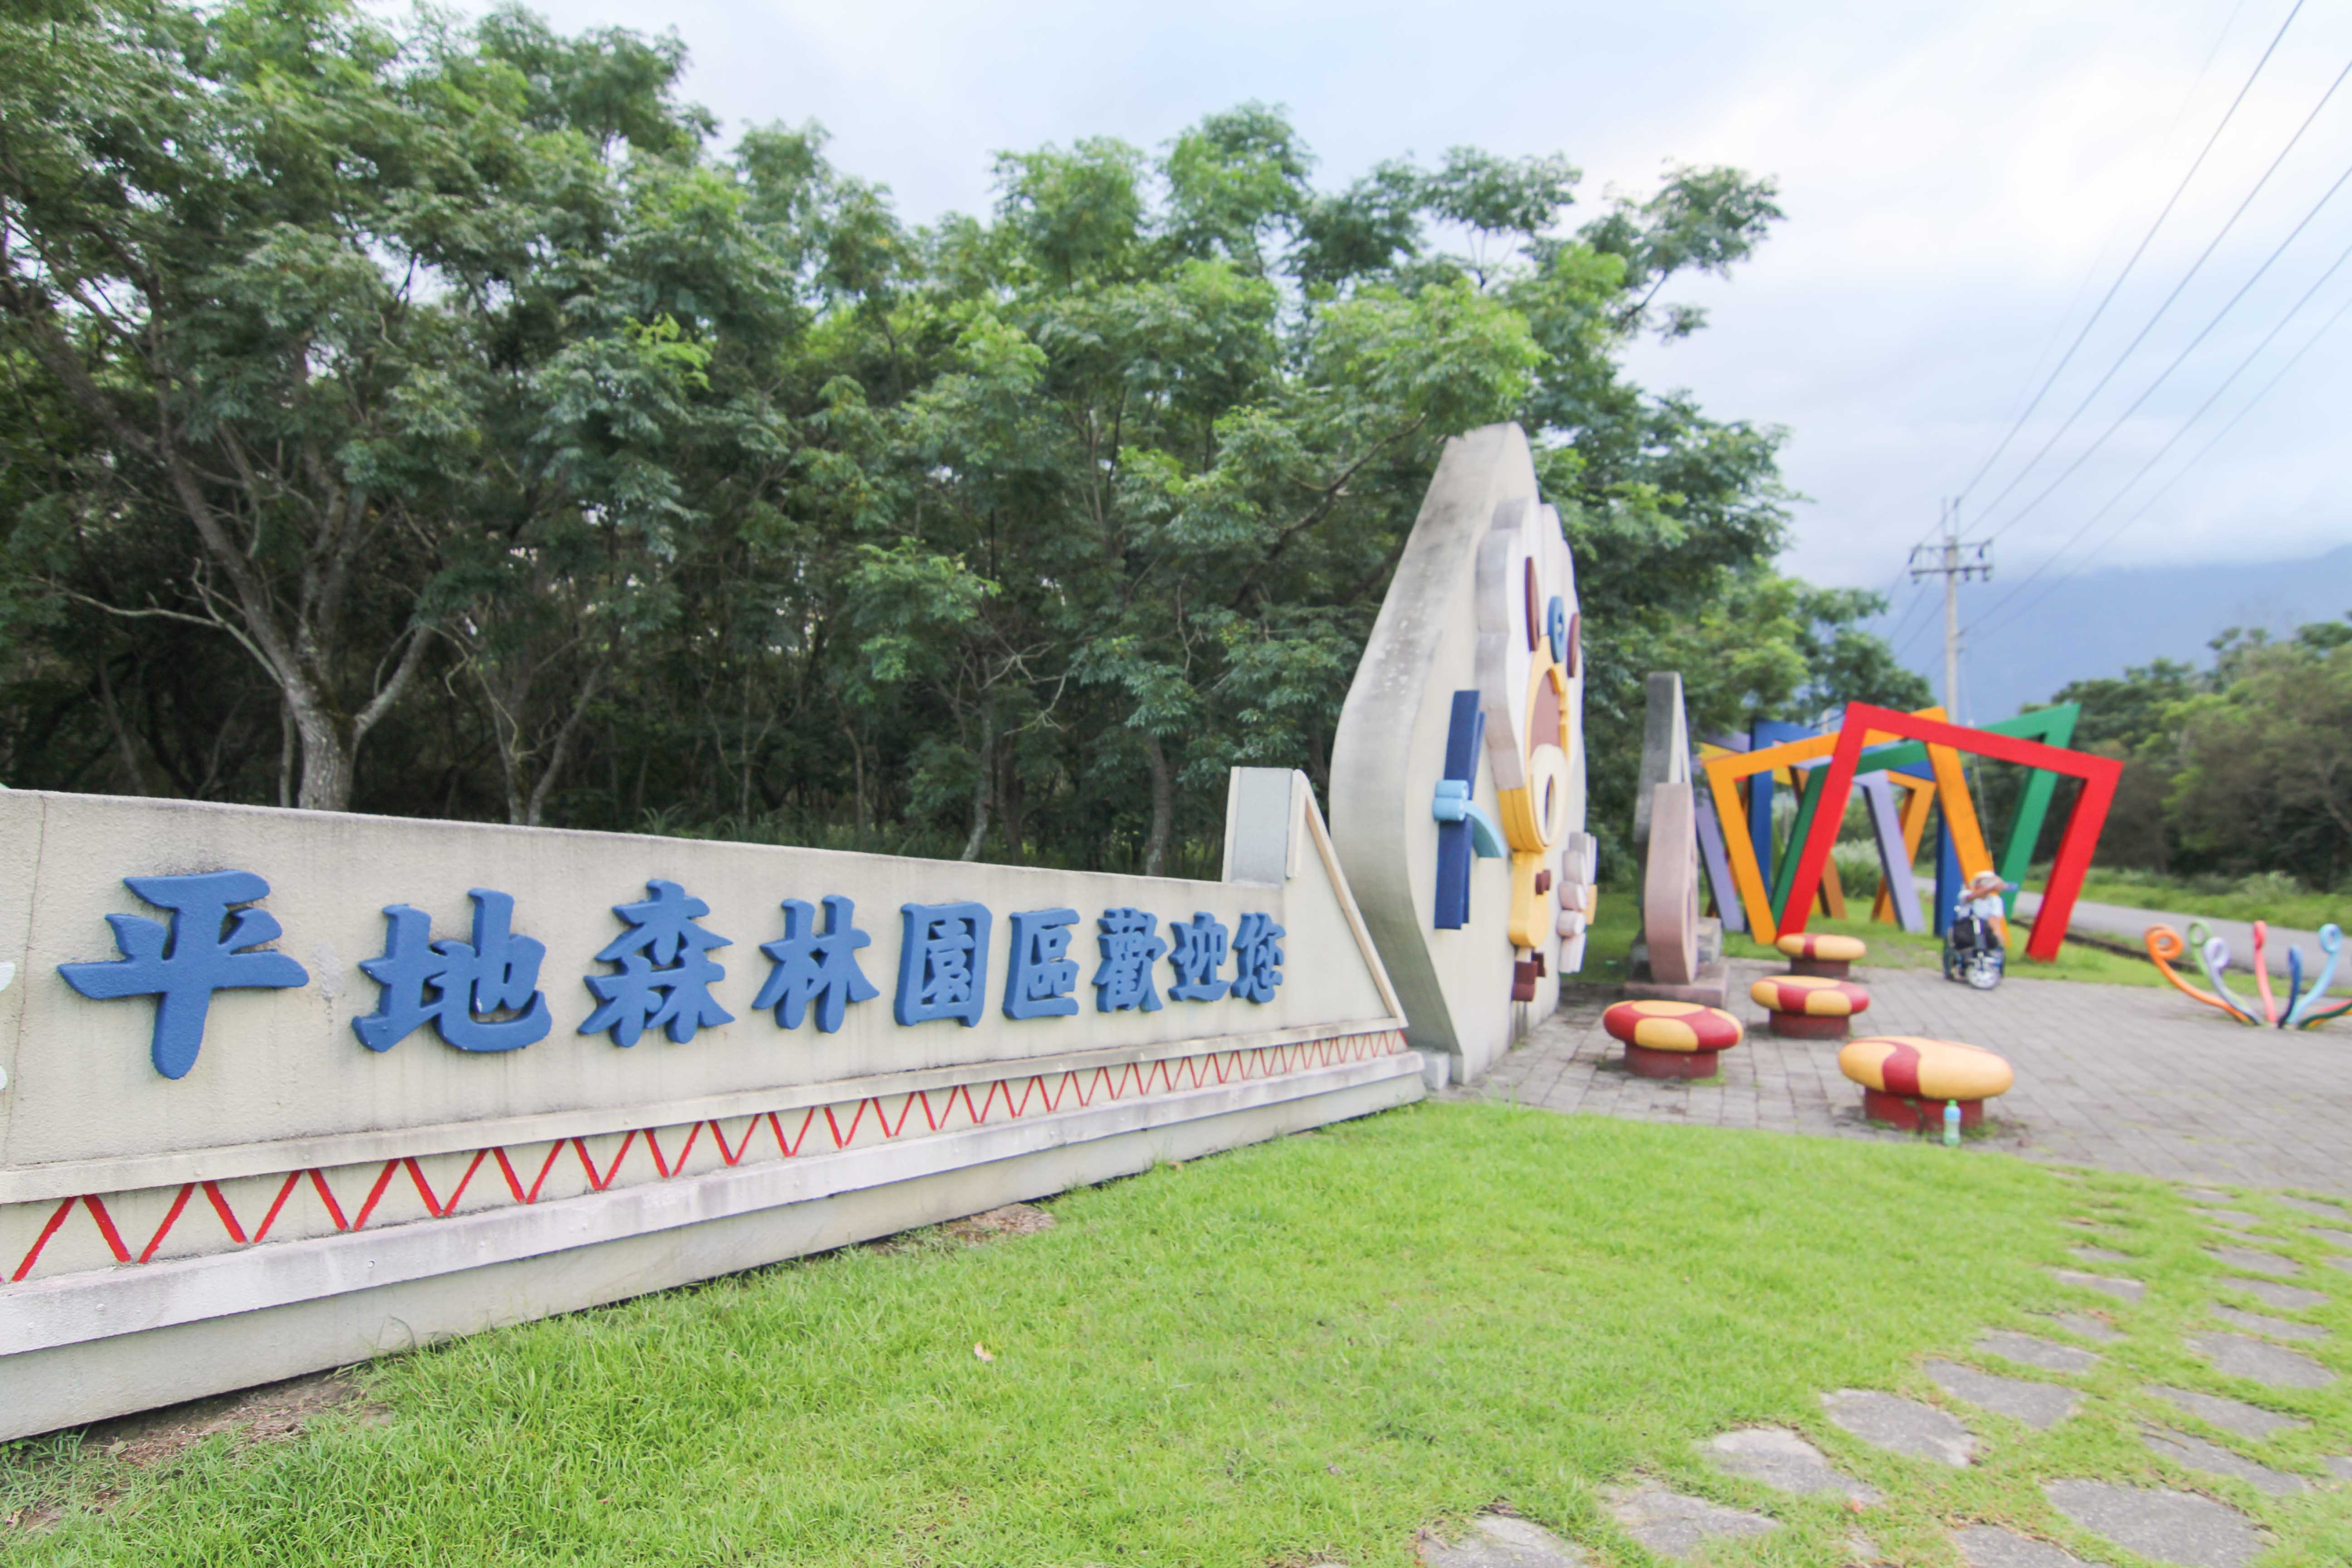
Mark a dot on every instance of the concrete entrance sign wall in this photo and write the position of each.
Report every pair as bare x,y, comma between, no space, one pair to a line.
284,1089
1457,774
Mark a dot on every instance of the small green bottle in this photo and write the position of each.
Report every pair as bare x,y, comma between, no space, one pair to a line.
1951,1124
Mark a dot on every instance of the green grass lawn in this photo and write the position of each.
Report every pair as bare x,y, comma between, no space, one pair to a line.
2298,911
1303,1351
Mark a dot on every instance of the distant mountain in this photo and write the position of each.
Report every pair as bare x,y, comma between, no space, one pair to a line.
2097,624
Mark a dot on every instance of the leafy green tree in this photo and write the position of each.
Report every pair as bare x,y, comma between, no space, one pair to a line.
446,382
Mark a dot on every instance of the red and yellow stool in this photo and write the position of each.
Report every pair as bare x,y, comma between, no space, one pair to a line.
1828,955
1907,1078
1672,1039
1808,1007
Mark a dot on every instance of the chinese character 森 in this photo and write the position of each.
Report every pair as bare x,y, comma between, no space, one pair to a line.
666,973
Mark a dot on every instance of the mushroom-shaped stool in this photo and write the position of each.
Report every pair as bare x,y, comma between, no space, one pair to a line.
1907,1078
1808,1007
1672,1039
1828,955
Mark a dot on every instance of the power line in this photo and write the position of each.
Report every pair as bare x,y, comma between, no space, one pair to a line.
1989,624
2121,527
1894,631
2202,332
2140,250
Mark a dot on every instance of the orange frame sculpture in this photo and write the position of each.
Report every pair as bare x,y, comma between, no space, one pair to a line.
2099,776
1725,772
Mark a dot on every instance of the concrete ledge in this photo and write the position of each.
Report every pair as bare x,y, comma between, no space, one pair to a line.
85,1347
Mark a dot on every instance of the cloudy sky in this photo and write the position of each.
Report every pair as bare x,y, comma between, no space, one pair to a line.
1964,186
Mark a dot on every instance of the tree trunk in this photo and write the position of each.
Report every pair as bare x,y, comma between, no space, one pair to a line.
134,777
561,752
859,817
327,762
982,788
1163,807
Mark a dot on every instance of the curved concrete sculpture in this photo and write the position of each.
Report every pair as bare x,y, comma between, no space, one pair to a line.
1468,705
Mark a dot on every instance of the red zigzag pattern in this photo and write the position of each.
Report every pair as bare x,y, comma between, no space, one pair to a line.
1164,1077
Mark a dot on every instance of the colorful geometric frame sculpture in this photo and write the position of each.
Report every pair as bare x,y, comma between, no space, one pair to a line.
2051,726
1723,773
1944,742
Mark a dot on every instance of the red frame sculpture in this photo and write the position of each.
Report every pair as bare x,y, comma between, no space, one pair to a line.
2098,775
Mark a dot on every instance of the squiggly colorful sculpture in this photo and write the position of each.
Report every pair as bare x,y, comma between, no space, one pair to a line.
2164,945
2302,1009
2306,1013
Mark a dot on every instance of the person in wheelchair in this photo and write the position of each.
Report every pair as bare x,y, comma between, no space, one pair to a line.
1977,926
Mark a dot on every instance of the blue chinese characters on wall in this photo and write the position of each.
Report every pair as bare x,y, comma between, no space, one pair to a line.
1257,958
478,995
205,949
1130,944
815,967
666,970
1042,980
942,963
1197,954
483,995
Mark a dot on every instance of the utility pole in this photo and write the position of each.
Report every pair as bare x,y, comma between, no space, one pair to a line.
1956,561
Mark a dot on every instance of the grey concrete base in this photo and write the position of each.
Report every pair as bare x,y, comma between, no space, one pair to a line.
2306,1205
1710,987
2232,1219
99,1377
2340,1239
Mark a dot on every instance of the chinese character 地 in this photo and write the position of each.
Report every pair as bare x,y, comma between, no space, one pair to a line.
1130,944
815,967
470,981
1040,979
205,949
666,971
942,963
1257,958
1199,953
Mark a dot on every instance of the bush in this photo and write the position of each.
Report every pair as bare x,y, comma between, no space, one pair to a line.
2275,886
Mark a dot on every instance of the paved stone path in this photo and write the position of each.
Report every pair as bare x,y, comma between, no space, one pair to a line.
2124,1077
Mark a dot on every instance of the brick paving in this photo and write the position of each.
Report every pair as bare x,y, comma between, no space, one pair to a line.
2124,1077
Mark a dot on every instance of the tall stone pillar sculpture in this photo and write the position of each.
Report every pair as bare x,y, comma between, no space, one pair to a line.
1677,956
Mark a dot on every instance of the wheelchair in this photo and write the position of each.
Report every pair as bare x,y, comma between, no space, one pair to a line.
1973,952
